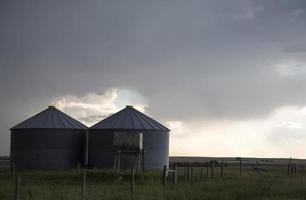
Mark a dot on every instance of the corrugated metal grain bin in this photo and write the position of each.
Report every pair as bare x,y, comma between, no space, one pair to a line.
155,140
49,140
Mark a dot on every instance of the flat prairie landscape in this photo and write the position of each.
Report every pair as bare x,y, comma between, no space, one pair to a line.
273,182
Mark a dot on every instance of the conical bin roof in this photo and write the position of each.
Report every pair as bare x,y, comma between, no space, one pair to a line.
50,118
129,118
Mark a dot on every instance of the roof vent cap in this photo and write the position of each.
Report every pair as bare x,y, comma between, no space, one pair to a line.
129,106
51,106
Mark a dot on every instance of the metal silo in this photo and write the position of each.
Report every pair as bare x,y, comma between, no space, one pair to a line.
155,140
49,140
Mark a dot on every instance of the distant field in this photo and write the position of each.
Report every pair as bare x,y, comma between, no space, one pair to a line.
273,183
232,159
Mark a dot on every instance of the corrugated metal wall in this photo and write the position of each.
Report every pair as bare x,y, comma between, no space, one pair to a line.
101,152
43,149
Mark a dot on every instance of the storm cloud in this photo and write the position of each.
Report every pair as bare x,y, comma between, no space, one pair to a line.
187,60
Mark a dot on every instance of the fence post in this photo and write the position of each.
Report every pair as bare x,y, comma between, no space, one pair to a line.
17,186
165,175
118,162
133,180
222,169
201,173
191,173
185,173
295,168
175,174
188,171
240,166
257,164
13,169
292,168
212,170
139,160
83,184
289,167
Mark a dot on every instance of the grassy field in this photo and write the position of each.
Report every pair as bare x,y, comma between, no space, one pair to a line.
101,184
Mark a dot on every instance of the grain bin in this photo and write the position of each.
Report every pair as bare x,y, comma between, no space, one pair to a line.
155,140
49,140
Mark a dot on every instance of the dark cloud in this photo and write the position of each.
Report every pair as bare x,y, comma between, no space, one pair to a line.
189,59
296,49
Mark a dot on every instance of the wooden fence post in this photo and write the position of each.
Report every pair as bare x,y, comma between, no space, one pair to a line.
137,165
118,162
257,164
175,174
201,173
17,186
133,180
13,169
292,168
289,167
212,170
222,169
165,175
83,185
185,173
191,173
188,171
240,166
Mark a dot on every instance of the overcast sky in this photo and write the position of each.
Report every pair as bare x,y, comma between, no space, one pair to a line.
228,77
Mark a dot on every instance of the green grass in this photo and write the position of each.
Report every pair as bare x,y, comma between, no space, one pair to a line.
102,184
